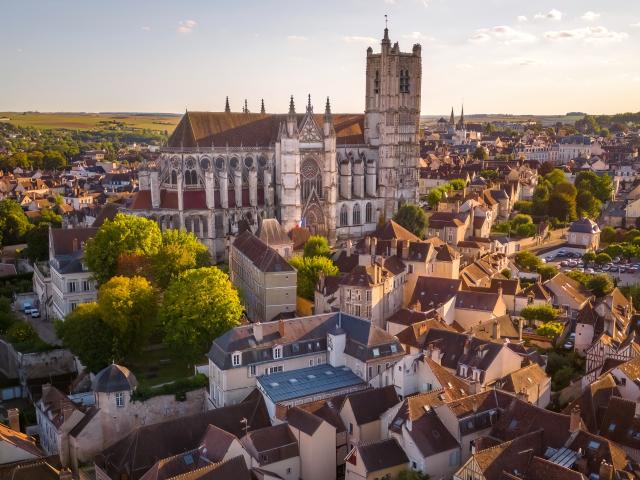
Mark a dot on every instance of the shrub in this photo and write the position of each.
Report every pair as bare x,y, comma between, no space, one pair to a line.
179,388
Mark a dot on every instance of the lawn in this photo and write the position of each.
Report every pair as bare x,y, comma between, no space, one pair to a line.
155,367
86,121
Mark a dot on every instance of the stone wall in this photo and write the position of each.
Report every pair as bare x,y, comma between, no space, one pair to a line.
25,366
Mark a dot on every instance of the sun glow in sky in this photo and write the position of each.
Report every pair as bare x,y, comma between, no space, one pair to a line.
496,56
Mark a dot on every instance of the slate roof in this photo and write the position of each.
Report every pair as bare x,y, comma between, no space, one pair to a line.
114,378
473,300
20,441
524,378
392,229
431,292
271,444
381,455
205,129
368,405
64,239
584,225
303,420
593,401
265,258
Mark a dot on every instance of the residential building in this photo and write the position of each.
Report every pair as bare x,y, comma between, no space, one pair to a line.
382,459
584,233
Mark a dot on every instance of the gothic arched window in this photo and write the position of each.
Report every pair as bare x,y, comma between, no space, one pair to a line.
194,177
311,179
404,81
174,177
376,83
344,216
356,214
368,213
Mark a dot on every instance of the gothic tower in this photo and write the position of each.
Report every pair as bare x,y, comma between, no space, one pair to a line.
392,118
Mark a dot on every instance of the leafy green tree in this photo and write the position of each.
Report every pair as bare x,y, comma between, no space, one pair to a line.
54,160
90,338
124,234
602,258
412,475
600,284
555,177
14,224
38,243
632,234
198,306
180,251
550,329
506,273
589,257
129,306
7,317
489,174
434,197
562,378
546,168
527,261
541,313
481,154
36,159
547,271
565,188
562,206
521,219
413,218
309,269
523,206
317,246
608,234
458,183
600,186
526,230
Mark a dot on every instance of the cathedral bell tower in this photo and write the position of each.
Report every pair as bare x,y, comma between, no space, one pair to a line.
392,118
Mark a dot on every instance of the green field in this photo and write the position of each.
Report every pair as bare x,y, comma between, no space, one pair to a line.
87,121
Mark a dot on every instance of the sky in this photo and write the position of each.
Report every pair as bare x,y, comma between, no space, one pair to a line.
495,56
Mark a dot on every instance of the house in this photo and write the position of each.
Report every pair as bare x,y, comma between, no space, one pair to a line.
15,446
273,449
584,233
244,353
450,227
476,307
266,280
439,294
376,460
531,383
64,282
567,294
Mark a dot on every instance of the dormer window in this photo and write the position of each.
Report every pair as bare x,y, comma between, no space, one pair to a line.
236,359
277,352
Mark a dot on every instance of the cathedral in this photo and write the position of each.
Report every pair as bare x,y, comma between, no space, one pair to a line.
338,175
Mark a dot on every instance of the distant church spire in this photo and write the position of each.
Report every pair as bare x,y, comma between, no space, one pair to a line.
327,108
226,106
462,118
262,106
452,120
246,108
292,107
309,107
385,39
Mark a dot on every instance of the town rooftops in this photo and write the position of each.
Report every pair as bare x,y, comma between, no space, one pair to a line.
114,378
380,455
470,300
272,233
271,444
584,225
431,292
20,441
66,241
265,258
368,405
305,382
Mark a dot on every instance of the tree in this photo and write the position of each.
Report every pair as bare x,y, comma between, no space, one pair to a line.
412,475
458,183
555,177
14,224
608,234
49,216
7,317
434,196
589,257
550,329
547,271
565,188
521,219
481,154
526,230
602,258
527,261
562,206
85,333
128,306
180,251
38,243
600,285
198,306
523,206
600,186
54,160
541,313
309,270
506,273
123,234
546,168
317,246
413,218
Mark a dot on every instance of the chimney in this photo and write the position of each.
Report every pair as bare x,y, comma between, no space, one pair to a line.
257,331
574,421
606,471
14,419
374,244
65,474
522,395
496,330
500,289
281,328
349,247
394,246
467,344
45,389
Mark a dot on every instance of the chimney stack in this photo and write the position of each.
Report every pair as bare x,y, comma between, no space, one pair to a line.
67,410
394,246
574,421
281,328
367,244
349,247
14,419
257,332
374,245
496,330
520,328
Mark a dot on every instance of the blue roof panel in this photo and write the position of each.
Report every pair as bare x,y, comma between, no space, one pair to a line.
283,386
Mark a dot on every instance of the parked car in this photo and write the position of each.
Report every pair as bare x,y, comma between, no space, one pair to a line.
35,313
564,263
616,260
590,270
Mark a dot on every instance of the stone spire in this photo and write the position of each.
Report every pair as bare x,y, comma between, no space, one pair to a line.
385,39
226,106
262,106
309,107
292,107
327,108
462,118
452,120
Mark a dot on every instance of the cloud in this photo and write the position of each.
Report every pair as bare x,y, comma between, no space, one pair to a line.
591,35
418,37
503,34
186,26
553,14
635,25
590,16
146,28
519,62
296,38
357,39
522,18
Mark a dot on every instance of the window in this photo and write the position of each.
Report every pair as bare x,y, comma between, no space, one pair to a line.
119,399
236,359
368,213
356,214
368,295
344,216
414,466
288,470
404,81
356,310
376,83
174,177
72,287
275,369
311,362
277,352
252,370
86,285
74,305
350,428
311,179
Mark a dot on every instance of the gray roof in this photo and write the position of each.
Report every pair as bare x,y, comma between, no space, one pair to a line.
284,386
272,233
114,378
584,225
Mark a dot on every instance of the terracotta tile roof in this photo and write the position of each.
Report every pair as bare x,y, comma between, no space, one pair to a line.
66,240
510,456
593,401
20,441
525,378
473,300
431,292
303,420
620,423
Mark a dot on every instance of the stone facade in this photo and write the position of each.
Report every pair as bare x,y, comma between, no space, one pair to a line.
337,174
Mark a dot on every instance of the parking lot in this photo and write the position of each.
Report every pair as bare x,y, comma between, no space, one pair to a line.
624,271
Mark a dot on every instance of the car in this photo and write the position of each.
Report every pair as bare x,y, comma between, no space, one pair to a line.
35,313
543,260
606,268
622,269
568,346
632,270
572,336
26,307
616,260
590,270
548,258
564,263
